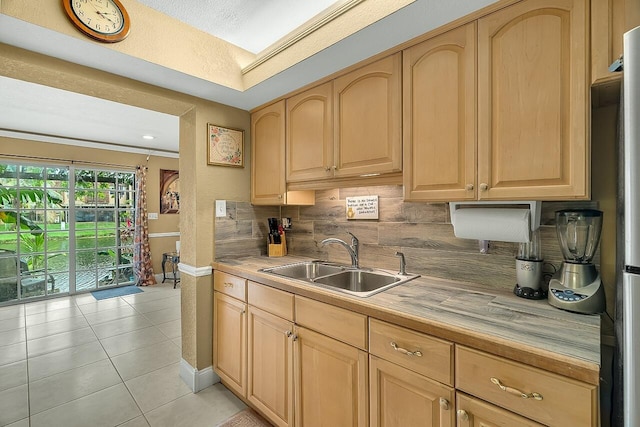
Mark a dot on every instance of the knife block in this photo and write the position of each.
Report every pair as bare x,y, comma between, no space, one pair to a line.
274,250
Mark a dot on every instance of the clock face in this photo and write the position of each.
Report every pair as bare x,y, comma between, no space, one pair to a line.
103,20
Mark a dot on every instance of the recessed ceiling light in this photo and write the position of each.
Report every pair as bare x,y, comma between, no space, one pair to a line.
148,137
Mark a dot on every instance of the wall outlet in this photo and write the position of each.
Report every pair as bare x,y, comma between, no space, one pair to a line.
221,208
153,215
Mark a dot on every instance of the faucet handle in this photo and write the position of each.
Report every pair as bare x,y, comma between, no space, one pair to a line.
403,263
354,239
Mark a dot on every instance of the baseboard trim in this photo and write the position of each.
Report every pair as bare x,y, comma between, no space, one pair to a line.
195,271
197,380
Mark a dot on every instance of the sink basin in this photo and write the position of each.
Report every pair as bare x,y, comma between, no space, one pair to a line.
358,282
305,270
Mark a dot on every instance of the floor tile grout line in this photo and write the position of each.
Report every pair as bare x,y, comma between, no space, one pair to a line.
73,302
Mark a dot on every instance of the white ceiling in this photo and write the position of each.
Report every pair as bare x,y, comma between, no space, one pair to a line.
252,25
43,113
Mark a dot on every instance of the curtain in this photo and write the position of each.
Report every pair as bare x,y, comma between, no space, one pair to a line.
142,265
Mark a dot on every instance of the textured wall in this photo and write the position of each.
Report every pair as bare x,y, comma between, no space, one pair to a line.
422,231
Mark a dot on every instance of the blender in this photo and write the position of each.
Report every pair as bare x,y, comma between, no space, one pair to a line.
529,269
577,286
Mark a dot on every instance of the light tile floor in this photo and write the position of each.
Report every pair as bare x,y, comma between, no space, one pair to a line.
75,361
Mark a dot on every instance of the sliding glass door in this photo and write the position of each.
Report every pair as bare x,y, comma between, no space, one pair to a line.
49,212
103,212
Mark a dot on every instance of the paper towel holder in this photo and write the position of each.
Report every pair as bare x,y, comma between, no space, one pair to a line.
535,208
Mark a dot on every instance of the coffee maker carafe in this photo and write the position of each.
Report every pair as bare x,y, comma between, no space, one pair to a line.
577,286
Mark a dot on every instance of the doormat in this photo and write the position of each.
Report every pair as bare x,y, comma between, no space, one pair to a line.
115,292
246,418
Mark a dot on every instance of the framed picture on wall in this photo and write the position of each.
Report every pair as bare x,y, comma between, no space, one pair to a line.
225,146
169,191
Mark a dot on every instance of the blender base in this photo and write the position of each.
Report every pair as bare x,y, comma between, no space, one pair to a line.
530,293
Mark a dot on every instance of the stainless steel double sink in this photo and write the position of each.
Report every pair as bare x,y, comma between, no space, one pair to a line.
361,282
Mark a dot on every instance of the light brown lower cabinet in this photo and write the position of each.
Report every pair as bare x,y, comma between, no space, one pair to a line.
270,366
400,397
330,381
472,412
230,341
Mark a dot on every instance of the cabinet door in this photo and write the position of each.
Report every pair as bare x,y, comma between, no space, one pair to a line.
330,382
310,134
439,88
270,366
472,412
400,397
533,101
368,119
229,341
267,155
610,19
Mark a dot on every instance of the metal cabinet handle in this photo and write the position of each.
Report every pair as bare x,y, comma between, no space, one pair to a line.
484,187
228,285
404,351
444,404
463,415
469,187
516,392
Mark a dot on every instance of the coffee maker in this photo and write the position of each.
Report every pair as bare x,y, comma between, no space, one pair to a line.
529,269
577,285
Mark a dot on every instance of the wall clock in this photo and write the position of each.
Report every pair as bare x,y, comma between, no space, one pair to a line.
103,20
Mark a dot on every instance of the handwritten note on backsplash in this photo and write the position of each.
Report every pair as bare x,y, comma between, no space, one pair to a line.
363,207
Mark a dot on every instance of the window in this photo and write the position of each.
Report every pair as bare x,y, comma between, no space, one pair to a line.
64,229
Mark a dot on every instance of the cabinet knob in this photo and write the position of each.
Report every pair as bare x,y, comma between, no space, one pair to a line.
327,169
335,168
484,187
444,404
463,415
288,334
469,187
279,196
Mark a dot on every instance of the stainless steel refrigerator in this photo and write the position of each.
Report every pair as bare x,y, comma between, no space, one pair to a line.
631,276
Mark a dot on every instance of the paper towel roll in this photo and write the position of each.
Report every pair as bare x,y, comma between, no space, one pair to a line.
504,225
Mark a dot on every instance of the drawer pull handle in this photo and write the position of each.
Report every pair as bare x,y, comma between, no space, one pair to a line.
406,352
228,285
516,392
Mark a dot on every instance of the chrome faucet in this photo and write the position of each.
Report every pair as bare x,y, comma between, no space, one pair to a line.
352,249
403,264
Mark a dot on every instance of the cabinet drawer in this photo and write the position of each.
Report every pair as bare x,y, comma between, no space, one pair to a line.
271,300
231,285
474,412
561,402
428,356
335,322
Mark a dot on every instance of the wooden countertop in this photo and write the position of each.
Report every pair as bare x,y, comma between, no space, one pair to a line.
531,332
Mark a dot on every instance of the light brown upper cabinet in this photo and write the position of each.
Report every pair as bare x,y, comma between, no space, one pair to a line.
610,19
347,128
440,117
526,135
268,186
367,119
310,134
267,155
533,102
